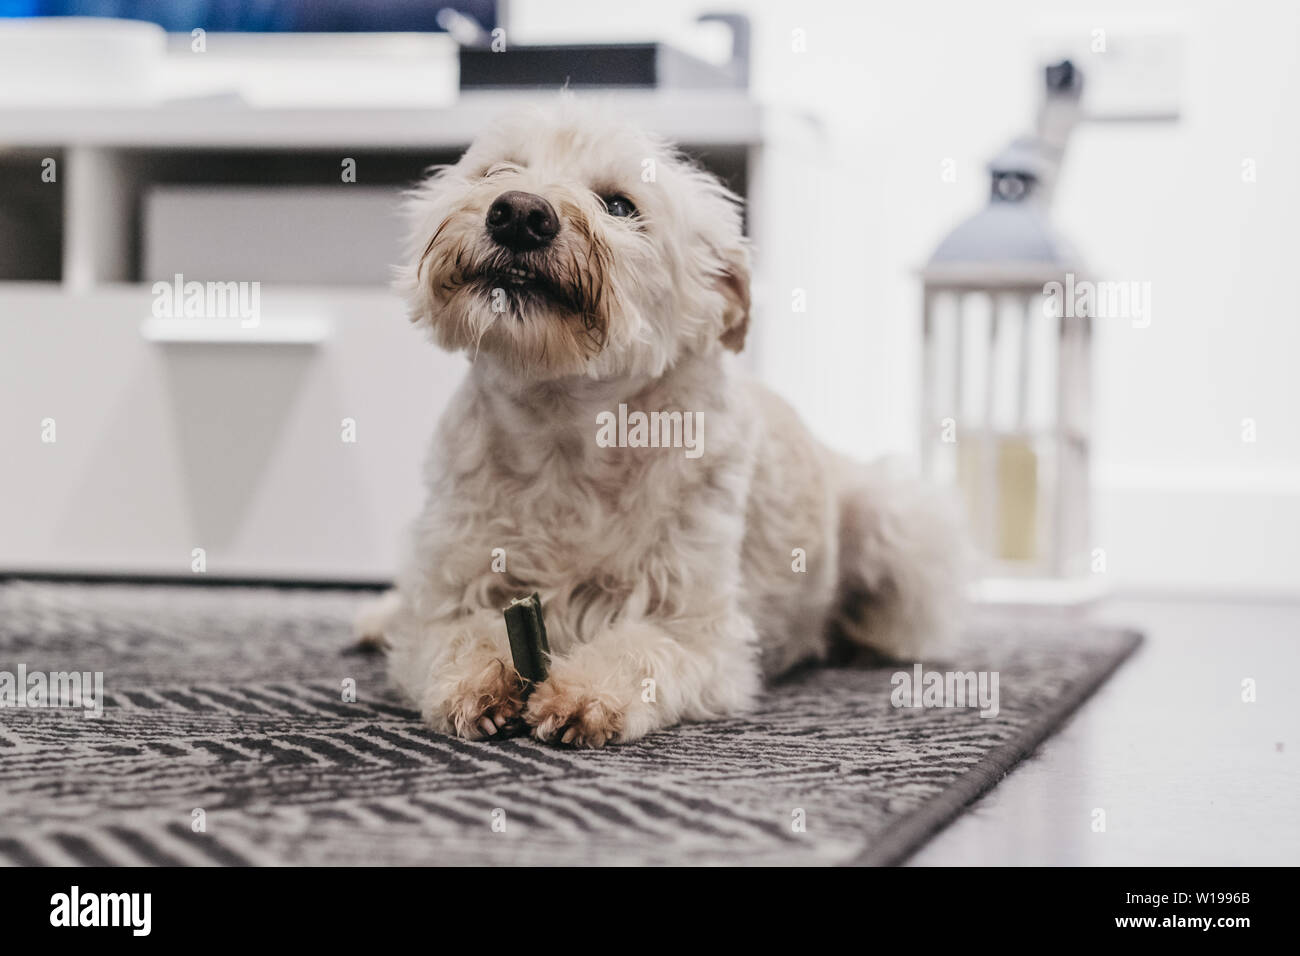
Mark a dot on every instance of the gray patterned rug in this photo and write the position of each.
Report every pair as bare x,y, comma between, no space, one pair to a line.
225,739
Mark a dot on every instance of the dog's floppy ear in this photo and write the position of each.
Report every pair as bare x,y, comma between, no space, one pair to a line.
733,283
424,212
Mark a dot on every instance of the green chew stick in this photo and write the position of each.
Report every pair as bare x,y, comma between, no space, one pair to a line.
528,644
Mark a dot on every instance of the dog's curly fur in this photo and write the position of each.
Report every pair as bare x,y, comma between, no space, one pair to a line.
671,585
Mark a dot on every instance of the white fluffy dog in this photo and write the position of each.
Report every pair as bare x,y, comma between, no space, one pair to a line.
582,266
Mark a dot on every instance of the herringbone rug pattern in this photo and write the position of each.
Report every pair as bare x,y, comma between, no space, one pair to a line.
225,706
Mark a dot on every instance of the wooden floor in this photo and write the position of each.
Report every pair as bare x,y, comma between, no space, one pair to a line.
1186,772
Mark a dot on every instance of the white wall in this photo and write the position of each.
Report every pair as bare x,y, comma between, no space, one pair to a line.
1182,502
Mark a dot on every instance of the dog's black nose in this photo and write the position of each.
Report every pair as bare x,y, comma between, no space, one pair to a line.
521,221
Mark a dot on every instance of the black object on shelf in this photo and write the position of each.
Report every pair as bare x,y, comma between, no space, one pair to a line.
608,65
618,65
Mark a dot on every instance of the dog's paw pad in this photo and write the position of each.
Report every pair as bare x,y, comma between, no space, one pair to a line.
565,715
488,705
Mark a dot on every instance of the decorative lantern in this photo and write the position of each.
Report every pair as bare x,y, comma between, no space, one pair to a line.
1007,369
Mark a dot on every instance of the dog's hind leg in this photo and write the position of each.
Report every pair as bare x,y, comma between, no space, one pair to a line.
370,624
903,561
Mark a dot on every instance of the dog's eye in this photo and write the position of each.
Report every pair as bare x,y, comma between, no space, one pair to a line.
497,168
619,206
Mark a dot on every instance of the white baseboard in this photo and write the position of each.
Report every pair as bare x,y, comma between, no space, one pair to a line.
1077,593
1228,533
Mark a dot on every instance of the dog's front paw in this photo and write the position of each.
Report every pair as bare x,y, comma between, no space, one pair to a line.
487,703
565,713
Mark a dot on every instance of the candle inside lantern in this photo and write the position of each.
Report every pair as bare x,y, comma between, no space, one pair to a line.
1017,525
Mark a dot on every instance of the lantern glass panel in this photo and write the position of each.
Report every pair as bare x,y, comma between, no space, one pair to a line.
1006,399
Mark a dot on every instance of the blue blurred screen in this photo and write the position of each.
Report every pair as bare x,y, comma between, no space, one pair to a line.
264,16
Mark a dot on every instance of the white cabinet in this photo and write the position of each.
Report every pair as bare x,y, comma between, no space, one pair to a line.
235,448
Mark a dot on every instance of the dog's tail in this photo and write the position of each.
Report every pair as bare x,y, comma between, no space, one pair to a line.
904,559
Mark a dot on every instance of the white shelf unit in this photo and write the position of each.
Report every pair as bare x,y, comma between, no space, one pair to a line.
170,438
